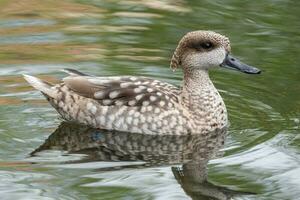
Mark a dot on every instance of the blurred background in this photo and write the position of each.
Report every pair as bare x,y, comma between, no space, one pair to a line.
138,37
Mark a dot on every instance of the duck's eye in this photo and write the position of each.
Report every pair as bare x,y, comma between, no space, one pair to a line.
206,45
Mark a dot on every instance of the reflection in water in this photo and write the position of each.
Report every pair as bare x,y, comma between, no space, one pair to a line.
192,151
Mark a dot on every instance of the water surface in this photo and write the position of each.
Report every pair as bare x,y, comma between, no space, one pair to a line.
131,37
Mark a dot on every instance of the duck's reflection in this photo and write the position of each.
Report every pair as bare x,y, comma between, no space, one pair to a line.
192,151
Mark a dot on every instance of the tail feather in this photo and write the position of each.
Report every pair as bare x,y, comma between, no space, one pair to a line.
40,85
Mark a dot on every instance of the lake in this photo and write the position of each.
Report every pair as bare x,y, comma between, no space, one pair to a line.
43,158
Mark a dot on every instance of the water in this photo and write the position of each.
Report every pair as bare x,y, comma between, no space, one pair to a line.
261,153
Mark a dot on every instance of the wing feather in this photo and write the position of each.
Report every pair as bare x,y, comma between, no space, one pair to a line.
124,90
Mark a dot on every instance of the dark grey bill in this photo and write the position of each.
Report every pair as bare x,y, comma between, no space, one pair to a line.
233,63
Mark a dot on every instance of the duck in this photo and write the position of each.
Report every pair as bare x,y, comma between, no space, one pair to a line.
138,104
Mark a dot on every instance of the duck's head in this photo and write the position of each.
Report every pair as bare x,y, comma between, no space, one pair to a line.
205,50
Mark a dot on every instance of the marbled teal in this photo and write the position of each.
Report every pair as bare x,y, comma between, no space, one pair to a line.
148,106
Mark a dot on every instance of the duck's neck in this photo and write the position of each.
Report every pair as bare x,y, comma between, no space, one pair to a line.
200,97
197,82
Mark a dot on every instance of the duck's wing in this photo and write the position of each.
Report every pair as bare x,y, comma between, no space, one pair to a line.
124,90
124,103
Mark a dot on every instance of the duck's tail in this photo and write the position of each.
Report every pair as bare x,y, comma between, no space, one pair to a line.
40,85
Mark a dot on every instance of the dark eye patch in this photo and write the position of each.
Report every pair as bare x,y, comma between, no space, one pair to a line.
203,46
206,45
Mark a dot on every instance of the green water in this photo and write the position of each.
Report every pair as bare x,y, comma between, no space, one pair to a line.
137,37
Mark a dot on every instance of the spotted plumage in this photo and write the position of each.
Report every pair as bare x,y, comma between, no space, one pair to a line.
134,104
126,90
149,106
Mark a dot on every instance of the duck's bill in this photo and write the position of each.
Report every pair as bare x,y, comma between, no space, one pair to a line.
233,63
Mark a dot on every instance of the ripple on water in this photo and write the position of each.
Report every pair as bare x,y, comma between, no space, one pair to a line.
151,182
14,23
257,163
118,38
54,37
19,69
22,185
44,38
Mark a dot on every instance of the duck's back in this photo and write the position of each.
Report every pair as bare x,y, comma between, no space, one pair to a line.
124,103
